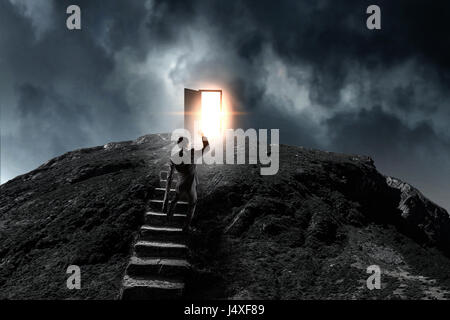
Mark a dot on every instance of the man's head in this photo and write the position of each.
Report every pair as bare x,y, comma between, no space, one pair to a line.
183,142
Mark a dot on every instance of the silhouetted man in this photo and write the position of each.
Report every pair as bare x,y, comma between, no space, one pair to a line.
187,177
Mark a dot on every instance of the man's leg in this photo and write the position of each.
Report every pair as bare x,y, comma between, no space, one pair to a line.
190,215
173,204
191,209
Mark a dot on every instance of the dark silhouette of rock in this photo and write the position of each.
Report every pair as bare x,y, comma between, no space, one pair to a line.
308,232
421,217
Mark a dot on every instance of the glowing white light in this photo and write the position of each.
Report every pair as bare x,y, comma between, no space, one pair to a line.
211,113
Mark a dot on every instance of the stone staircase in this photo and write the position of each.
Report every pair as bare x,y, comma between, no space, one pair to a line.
158,266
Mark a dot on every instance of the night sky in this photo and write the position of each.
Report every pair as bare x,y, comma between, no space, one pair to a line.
310,68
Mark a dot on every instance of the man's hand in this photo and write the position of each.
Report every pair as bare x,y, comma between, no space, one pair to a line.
200,132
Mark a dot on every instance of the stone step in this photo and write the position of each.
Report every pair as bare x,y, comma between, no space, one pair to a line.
158,202
153,233
181,207
163,183
147,289
159,192
159,219
163,174
160,249
168,268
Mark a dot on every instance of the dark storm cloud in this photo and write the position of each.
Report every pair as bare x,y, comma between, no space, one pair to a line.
330,36
417,153
331,39
310,68
54,96
375,131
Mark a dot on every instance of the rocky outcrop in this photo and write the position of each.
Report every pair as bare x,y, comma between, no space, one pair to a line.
421,216
308,232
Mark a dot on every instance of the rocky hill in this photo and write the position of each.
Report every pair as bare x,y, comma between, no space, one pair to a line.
308,232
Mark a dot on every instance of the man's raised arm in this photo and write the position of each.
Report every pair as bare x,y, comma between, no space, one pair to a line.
205,144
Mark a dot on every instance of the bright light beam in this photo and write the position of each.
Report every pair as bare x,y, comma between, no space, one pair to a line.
211,113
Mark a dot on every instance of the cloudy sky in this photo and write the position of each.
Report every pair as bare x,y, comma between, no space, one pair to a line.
310,68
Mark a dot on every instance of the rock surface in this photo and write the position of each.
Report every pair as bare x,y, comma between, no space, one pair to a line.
308,232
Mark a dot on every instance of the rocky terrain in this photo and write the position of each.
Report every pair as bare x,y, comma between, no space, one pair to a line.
308,232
